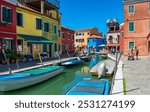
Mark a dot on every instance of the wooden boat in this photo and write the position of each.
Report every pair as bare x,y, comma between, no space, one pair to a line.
27,78
91,87
72,62
110,65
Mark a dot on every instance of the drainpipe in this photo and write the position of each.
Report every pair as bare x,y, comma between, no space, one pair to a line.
42,7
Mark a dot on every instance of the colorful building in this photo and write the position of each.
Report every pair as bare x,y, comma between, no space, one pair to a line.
82,35
38,28
67,40
112,37
8,24
137,26
94,42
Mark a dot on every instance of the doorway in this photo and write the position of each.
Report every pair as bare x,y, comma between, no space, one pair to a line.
149,47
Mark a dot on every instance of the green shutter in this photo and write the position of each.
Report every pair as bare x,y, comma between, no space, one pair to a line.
4,12
9,15
131,44
131,26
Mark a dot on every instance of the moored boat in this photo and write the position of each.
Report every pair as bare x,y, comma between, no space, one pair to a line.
85,58
72,62
91,87
29,77
110,65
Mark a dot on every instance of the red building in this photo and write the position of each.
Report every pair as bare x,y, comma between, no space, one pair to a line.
137,26
8,24
67,40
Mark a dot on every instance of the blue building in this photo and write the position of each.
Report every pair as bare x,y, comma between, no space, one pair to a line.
94,43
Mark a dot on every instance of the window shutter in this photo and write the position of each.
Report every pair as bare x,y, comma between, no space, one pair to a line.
4,12
11,16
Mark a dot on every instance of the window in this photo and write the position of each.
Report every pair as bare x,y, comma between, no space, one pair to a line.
122,34
88,33
77,40
55,29
131,9
46,27
9,43
63,35
68,36
110,37
19,19
131,44
50,14
72,36
131,26
7,15
76,34
149,6
38,24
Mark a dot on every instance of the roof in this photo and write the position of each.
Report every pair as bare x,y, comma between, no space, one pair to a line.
134,1
27,8
95,36
84,30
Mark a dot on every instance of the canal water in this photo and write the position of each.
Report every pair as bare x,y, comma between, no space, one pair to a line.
58,85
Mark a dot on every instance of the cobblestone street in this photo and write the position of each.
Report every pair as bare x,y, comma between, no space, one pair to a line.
137,76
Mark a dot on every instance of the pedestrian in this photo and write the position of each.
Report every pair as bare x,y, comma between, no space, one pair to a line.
132,53
136,52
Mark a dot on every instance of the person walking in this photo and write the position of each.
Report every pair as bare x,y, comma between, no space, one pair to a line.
136,52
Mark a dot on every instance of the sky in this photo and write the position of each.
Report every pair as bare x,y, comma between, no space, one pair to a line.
78,14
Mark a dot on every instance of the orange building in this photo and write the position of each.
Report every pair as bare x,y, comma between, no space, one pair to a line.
82,35
137,26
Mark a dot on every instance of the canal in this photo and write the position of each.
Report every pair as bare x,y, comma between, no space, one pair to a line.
58,85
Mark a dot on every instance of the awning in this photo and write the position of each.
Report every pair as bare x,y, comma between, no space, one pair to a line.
35,39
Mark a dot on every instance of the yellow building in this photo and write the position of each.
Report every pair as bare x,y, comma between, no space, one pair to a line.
38,29
82,35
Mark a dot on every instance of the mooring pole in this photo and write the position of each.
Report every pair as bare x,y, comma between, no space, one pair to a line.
40,57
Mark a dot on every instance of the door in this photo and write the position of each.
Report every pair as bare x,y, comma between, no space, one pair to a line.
50,50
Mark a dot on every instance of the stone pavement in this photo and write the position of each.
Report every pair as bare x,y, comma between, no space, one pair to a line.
137,76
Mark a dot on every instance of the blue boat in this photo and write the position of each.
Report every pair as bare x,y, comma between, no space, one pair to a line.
27,78
91,87
85,58
72,62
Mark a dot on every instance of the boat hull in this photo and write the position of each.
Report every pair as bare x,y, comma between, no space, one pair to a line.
91,87
72,63
8,85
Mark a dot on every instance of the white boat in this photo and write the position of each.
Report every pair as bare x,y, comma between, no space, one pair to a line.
27,78
110,65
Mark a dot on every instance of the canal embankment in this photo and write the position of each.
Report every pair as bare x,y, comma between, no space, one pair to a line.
118,81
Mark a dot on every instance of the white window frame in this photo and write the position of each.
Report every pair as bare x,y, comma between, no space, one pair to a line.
129,26
129,9
2,14
133,46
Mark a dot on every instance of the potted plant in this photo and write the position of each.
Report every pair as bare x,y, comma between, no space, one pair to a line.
13,56
2,59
